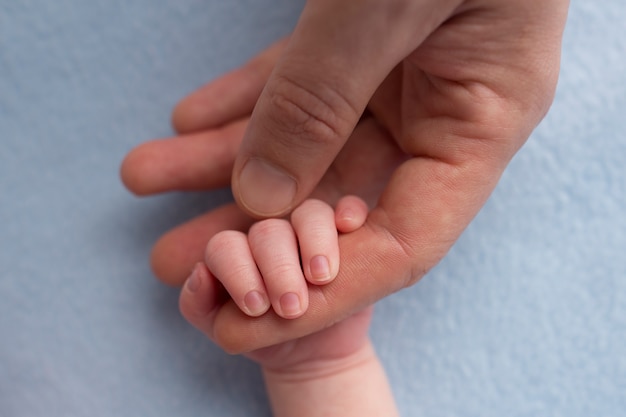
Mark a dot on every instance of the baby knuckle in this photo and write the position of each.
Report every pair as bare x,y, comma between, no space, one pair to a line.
268,227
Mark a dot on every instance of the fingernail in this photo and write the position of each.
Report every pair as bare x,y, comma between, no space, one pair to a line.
265,189
290,304
193,282
320,268
255,303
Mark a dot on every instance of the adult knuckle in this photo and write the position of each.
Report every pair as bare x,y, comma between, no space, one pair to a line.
315,116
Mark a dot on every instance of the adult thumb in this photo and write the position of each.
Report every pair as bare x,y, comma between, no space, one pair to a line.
338,55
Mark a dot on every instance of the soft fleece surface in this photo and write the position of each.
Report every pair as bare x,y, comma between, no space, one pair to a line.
525,317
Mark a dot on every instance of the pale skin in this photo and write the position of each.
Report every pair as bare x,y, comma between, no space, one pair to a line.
416,106
271,265
332,372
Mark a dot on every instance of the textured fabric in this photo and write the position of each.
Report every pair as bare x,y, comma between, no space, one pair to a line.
525,317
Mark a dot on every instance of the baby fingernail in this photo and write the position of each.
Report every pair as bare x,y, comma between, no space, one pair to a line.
256,303
320,268
290,304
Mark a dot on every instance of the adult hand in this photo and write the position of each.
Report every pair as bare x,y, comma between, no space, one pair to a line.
450,89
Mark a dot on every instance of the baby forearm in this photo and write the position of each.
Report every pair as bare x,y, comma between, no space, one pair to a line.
353,386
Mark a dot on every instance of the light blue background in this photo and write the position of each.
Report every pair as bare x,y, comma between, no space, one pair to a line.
525,317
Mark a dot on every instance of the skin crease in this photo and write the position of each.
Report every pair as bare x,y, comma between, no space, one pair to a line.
459,88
